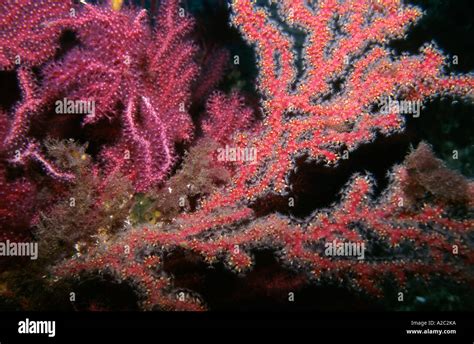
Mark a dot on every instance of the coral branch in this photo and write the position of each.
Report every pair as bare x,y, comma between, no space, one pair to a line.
29,105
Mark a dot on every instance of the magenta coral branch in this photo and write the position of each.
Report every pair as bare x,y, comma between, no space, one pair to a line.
27,107
32,152
136,136
163,140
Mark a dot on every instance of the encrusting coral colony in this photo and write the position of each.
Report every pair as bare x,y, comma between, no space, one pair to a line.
319,103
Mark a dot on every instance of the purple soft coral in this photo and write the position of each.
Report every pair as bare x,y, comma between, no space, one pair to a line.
142,76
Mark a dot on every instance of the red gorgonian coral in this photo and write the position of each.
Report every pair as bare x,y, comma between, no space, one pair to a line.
310,115
429,233
306,115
